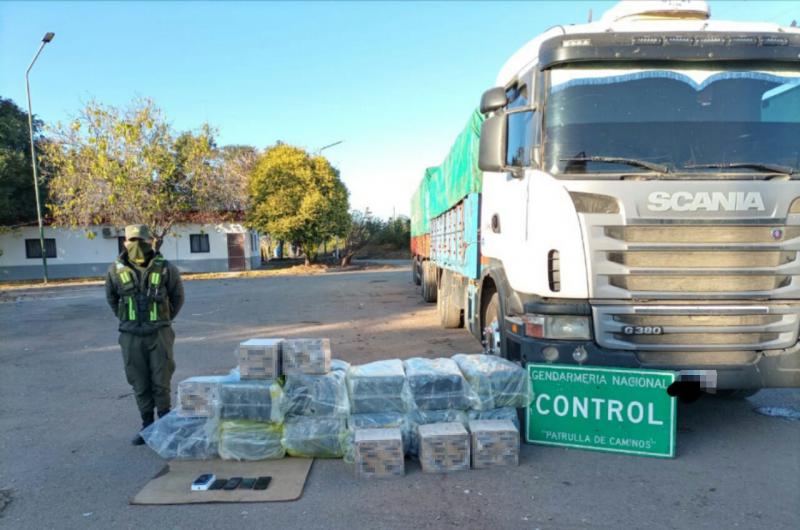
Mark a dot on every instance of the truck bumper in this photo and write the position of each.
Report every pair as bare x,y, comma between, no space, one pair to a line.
772,369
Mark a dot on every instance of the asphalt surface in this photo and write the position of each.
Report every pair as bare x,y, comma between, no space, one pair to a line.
67,414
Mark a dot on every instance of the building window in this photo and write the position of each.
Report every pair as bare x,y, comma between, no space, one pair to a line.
33,248
199,243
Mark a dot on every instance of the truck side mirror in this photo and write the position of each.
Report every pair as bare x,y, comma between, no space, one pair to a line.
492,154
493,99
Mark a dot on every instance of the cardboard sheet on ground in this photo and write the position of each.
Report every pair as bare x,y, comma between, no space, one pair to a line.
172,484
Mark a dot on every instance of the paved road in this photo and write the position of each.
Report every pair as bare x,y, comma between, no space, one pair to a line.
66,415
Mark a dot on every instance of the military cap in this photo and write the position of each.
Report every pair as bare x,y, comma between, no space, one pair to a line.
137,231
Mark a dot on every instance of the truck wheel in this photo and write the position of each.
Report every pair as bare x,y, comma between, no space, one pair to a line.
737,393
449,313
428,281
493,326
415,272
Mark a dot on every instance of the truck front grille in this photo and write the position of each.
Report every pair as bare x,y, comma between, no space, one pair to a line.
696,328
695,261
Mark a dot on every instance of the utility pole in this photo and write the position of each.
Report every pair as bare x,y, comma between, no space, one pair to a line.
47,38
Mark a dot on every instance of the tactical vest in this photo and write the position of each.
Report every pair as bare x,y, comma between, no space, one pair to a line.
144,300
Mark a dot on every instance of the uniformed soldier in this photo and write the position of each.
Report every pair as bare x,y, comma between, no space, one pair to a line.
145,292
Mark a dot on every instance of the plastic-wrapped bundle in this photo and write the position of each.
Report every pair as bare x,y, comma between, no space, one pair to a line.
380,386
505,413
199,396
376,420
250,440
437,384
425,417
339,365
497,382
315,395
251,400
178,437
314,437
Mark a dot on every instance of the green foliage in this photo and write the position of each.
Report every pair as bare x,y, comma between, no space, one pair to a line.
17,198
297,197
124,166
395,232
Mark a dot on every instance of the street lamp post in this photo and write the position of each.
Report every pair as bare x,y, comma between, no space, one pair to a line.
321,149
47,38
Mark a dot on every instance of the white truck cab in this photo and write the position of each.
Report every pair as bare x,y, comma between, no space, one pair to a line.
640,203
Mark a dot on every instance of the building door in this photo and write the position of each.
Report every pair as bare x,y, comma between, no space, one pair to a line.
236,252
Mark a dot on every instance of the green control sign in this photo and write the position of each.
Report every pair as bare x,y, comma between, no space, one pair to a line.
605,409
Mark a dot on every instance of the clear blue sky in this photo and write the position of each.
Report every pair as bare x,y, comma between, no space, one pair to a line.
395,81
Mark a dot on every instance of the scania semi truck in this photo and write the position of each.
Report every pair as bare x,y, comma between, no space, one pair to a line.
628,195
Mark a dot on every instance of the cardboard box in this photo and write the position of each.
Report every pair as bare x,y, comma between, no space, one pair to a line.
199,396
306,356
443,447
379,453
493,443
260,359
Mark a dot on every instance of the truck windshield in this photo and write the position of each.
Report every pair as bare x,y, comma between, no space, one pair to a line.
672,121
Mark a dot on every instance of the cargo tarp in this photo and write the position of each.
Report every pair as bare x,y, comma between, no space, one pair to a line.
444,186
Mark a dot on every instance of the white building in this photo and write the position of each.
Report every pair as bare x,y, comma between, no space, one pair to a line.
75,253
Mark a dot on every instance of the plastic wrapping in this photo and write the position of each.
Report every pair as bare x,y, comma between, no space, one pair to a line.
316,395
339,365
497,382
380,386
250,440
199,396
376,420
178,437
314,437
306,356
251,400
505,413
426,417
437,384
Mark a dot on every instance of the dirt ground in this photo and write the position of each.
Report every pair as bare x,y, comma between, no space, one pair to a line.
67,415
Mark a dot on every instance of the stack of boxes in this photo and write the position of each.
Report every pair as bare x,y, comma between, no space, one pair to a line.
379,453
453,413
443,447
316,403
250,408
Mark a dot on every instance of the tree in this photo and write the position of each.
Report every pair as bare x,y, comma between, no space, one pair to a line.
17,196
363,229
238,162
297,197
124,166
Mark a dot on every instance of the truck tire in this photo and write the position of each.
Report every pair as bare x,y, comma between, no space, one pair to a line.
415,275
429,281
492,331
449,312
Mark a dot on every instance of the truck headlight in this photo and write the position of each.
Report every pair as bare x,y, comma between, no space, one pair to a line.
563,327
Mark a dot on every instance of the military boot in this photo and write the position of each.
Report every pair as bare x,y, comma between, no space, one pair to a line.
147,420
162,413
